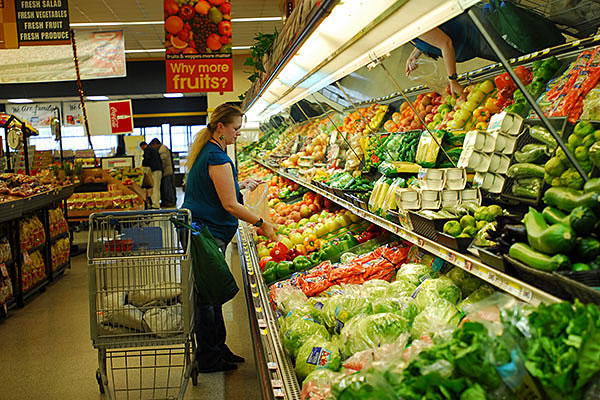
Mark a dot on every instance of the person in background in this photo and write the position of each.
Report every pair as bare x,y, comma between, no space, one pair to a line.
168,198
151,161
214,199
457,40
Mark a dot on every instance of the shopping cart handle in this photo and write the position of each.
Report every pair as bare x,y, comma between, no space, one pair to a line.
139,212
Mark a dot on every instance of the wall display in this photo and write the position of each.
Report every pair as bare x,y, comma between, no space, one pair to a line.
37,115
42,22
198,46
72,114
101,55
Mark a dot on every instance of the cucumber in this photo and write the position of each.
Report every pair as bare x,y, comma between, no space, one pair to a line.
535,153
591,186
525,170
534,259
557,238
566,199
554,216
544,136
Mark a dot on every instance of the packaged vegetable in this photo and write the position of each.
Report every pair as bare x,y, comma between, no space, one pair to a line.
401,288
299,331
403,306
365,332
476,296
368,384
338,310
317,385
432,290
317,354
414,273
435,319
427,152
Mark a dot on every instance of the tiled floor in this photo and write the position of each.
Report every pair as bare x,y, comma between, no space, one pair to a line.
46,351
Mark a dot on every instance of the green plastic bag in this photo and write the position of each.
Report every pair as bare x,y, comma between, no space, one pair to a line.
214,282
524,30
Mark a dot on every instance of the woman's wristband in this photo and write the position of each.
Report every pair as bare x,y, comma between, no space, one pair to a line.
258,223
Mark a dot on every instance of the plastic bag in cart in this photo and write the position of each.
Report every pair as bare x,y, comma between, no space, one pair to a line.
256,201
431,73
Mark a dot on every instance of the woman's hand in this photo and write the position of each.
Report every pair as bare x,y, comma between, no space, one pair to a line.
269,229
411,63
250,184
456,89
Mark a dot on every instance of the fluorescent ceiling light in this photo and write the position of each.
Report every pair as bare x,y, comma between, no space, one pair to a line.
163,50
20,101
371,29
172,95
133,23
96,98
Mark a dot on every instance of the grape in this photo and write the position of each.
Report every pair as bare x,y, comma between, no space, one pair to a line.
202,28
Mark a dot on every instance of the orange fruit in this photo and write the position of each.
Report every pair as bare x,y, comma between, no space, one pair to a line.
190,50
178,43
174,24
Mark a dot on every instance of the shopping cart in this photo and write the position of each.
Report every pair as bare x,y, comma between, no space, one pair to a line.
141,303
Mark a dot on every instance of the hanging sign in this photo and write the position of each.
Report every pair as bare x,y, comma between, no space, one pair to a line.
42,22
35,114
198,46
8,25
110,117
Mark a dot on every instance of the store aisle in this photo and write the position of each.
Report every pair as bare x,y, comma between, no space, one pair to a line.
46,351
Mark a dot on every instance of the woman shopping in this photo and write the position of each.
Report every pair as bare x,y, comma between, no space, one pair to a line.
214,199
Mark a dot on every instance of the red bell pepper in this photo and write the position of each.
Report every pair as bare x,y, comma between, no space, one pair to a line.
291,254
263,262
503,81
278,252
524,74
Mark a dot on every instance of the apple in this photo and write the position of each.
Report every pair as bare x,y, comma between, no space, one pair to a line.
314,218
296,238
295,216
293,225
303,221
332,225
321,229
262,251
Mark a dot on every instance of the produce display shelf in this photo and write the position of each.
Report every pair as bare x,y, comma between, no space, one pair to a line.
275,368
38,287
505,282
59,236
35,248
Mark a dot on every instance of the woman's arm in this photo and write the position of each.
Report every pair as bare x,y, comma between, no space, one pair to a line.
222,177
436,37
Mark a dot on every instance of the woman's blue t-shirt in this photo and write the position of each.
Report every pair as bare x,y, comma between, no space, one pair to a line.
465,39
201,197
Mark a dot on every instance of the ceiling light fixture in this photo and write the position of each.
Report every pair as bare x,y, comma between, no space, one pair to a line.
172,95
20,101
133,23
96,98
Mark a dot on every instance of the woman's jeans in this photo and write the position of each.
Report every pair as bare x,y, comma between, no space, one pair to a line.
210,330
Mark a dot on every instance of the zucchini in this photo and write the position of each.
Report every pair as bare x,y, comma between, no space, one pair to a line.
554,216
567,199
580,267
525,191
587,249
535,153
525,170
593,185
582,220
557,238
534,259
544,136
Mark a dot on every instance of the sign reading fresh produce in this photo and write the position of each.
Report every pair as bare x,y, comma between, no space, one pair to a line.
198,46
43,22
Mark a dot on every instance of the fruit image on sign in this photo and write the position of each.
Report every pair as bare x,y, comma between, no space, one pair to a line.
197,27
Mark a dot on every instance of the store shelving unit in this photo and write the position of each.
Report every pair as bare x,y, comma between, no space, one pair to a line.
473,265
275,368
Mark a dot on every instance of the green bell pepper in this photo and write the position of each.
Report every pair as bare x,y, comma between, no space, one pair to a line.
315,258
583,128
269,275
331,252
301,263
284,269
271,265
347,242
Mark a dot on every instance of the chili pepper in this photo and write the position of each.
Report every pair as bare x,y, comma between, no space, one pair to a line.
311,243
301,263
284,269
278,252
263,262
269,275
315,258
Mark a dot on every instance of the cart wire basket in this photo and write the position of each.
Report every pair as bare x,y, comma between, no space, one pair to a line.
141,303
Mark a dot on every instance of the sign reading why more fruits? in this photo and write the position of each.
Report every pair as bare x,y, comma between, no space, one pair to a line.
198,46
42,22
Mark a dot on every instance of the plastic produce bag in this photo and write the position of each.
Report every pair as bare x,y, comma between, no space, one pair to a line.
166,321
364,332
369,384
126,316
431,73
400,288
432,290
257,199
392,352
162,292
376,288
289,298
299,331
415,273
338,310
476,296
403,306
317,385
317,354
464,280
428,150
435,319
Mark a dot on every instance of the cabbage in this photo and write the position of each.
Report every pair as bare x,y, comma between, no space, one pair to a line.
464,280
299,331
401,289
317,354
376,288
415,273
340,309
430,291
365,332
290,298
403,306
435,318
479,294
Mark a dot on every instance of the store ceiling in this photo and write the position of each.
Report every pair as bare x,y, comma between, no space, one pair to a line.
152,36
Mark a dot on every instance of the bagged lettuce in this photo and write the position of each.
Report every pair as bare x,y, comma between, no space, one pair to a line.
376,288
481,293
430,291
403,306
464,280
340,309
316,354
365,332
299,331
289,298
415,273
435,318
317,385
400,288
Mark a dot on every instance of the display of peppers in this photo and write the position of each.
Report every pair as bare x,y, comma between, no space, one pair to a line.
279,252
302,263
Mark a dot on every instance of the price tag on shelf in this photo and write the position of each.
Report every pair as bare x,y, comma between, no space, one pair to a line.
452,257
491,277
420,242
272,365
258,309
264,332
526,294
253,285
278,392
276,383
468,265
255,294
